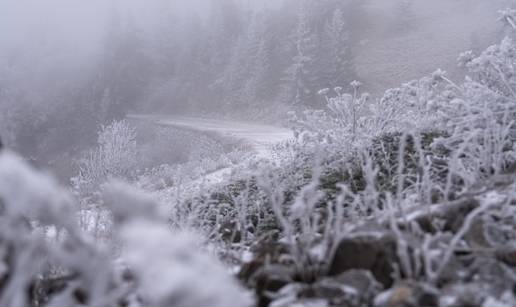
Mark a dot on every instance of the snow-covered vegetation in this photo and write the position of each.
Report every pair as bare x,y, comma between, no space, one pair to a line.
401,199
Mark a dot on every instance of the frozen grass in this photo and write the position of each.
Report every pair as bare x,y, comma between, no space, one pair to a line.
425,163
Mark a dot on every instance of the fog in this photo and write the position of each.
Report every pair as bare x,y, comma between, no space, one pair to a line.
257,153
69,66
404,40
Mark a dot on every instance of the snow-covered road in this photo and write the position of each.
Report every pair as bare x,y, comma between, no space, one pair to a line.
259,137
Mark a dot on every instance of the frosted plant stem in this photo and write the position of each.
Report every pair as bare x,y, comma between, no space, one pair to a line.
458,237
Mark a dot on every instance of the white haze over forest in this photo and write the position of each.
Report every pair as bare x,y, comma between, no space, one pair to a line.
257,153
398,39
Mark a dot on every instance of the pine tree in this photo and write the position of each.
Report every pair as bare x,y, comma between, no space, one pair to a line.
298,82
258,82
192,77
336,67
225,27
166,40
125,66
244,79
235,73
257,60
405,19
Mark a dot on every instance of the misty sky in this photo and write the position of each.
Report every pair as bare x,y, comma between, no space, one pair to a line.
69,31
430,35
69,66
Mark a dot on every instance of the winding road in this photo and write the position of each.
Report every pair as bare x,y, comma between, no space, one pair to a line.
260,137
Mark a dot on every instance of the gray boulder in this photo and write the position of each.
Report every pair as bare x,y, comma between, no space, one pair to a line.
375,252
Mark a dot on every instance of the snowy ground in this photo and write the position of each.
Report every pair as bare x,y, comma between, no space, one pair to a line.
259,137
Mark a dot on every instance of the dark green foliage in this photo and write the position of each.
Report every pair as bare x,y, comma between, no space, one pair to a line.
350,174
335,172
385,151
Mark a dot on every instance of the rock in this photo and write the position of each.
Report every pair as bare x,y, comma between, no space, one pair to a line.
408,295
230,231
352,288
398,296
42,290
488,277
269,280
493,230
455,212
495,276
360,280
476,235
507,255
265,253
289,297
268,270
375,252
463,295
332,292
507,300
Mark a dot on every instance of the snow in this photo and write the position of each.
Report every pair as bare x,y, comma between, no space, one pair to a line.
126,202
259,137
177,273
28,193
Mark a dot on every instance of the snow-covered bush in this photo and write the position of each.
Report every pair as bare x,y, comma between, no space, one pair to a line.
177,273
475,118
342,122
116,156
170,145
30,203
426,142
508,16
46,260
170,268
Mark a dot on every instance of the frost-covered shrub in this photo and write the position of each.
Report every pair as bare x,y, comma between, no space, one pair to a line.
30,203
177,273
27,195
168,145
116,156
46,260
342,122
169,267
508,16
414,106
174,157
410,162
189,175
475,118
163,145
480,117
428,141
494,68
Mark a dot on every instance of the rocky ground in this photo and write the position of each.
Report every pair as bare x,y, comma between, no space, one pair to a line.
455,254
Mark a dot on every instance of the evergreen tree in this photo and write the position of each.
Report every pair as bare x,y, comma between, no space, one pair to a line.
298,81
258,85
225,26
336,67
192,75
234,75
257,60
244,79
166,41
125,66
405,17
